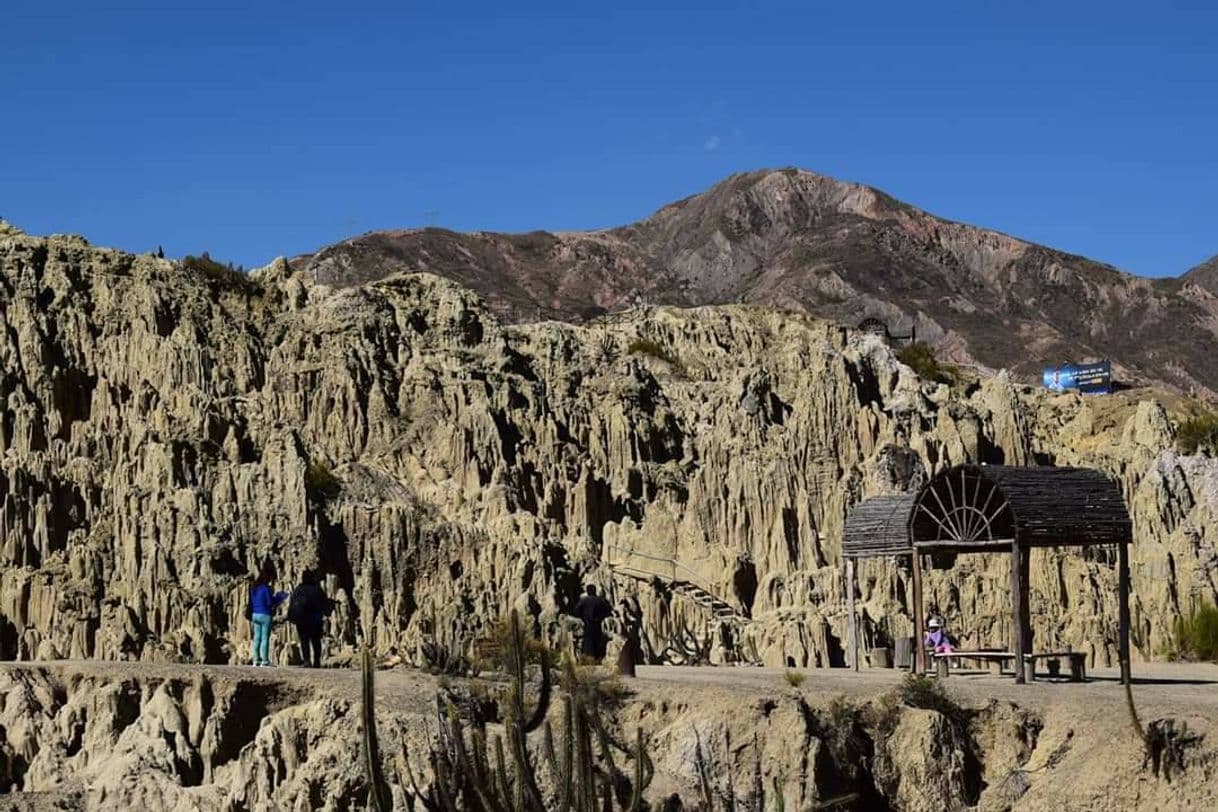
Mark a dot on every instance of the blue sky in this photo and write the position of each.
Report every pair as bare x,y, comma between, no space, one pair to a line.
1091,127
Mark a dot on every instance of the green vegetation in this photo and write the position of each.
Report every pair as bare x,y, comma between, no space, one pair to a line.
533,243
1196,636
653,349
841,729
802,256
443,661
379,796
1198,433
320,482
794,678
927,693
915,691
921,359
588,769
224,276
497,651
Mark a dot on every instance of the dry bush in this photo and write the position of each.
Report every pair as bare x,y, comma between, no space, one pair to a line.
921,359
1196,635
1198,433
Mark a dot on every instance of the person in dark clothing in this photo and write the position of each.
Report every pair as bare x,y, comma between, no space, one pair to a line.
308,609
592,609
263,602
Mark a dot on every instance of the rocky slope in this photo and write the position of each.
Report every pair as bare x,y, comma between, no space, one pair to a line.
798,240
164,430
1205,275
185,737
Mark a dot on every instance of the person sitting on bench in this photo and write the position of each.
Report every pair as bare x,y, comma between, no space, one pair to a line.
937,638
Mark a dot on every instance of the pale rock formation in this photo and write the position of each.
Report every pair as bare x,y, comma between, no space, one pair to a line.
164,430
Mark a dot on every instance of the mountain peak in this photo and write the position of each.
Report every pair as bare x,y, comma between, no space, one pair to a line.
796,239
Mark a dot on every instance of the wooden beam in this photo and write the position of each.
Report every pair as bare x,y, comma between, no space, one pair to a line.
1123,604
1017,611
852,639
919,621
1025,605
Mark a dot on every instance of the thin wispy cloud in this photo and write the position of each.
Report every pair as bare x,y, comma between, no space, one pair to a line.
711,143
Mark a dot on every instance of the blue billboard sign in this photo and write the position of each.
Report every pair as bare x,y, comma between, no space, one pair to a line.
1086,378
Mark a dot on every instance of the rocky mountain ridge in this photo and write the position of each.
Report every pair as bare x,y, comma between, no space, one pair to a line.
797,240
165,429
1205,275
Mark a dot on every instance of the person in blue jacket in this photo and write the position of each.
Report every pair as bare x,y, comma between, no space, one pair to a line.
263,600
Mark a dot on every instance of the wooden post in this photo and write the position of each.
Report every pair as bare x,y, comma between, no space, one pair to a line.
1025,605
1025,575
1017,611
852,641
1123,604
919,622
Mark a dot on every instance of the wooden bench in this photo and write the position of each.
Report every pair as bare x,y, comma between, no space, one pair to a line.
1078,663
941,659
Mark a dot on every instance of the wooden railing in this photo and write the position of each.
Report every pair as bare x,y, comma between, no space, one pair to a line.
669,570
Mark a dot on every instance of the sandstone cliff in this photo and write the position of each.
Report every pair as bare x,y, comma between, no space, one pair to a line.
164,430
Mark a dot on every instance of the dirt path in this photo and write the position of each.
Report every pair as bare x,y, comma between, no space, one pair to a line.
1183,690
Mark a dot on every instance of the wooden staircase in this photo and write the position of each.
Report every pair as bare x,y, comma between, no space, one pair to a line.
714,605
718,607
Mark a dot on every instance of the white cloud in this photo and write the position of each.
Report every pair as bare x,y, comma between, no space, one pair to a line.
711,144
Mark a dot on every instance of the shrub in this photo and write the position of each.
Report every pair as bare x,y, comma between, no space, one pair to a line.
440,659
927,693
794,678
535,243
802,256
496,652
841,729
320,482
1196,636
582,765
1198,434
921,359
648,347
223,276
645,346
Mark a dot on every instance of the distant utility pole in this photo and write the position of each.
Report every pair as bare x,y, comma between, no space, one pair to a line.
431,215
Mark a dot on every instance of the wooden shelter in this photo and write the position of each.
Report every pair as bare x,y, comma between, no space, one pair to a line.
994,508
879,526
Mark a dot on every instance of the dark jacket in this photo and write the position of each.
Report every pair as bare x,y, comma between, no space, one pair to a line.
309,605
592,609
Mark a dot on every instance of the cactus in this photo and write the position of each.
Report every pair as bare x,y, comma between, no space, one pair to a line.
500,774
378,788
687,647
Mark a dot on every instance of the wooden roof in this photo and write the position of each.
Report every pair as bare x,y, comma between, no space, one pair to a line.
879,526
978,507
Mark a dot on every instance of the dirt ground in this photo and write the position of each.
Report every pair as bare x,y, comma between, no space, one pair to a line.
1160,689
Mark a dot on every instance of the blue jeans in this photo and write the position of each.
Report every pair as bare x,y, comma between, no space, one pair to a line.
262,640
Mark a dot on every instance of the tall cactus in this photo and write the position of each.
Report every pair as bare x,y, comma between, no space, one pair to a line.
378,787
472,773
